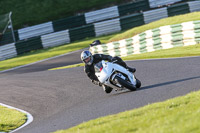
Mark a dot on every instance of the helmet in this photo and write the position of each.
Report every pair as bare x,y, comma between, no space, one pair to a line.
86,57
96,42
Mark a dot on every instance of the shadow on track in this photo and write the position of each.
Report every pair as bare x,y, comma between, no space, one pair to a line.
157,85
167,83
122,92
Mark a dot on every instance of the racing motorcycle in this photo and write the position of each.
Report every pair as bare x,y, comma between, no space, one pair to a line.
115,77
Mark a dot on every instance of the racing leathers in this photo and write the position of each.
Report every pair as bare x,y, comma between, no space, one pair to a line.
89,69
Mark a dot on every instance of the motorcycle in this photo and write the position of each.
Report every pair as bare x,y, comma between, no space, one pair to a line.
115,76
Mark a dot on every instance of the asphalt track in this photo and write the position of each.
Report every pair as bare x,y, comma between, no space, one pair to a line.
64,98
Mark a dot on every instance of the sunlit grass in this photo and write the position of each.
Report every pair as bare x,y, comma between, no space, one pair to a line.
10,119
163,22
178,115
186,51
38,55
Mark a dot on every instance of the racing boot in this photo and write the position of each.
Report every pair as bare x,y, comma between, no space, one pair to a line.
133,70
107,89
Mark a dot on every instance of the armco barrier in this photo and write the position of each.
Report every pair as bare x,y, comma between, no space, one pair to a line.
82,32
131,21
165,37
6,38
36,30
55,39
137,6
92,17
102,14
107,27
178,9
7,51
158,3
150,16
29,45
194,6
70,22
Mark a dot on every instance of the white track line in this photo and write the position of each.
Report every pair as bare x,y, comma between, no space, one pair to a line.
29,117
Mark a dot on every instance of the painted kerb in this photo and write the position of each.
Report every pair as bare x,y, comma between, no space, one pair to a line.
184,34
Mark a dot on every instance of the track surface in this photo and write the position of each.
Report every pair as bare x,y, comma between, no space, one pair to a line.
64,98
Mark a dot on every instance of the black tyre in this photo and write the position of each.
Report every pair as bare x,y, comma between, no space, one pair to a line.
107,89
125,84
138,83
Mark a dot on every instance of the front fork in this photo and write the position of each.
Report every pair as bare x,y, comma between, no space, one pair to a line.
133,79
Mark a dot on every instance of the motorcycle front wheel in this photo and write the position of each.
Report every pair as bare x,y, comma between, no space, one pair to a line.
125,83
138,83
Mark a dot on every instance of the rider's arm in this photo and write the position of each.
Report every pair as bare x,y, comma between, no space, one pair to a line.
103,57
90,74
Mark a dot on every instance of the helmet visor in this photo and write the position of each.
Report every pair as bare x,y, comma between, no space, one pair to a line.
87,60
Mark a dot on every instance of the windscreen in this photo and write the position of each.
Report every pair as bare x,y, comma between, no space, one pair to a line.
98,67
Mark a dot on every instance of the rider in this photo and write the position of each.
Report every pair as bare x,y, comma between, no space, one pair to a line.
90,60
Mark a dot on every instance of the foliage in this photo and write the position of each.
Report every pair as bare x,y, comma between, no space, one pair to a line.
32,12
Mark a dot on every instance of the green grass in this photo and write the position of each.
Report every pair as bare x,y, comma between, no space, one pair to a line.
31,12
175,114
68,66
163,22
10,119
193,50
47,53
178,115
185,51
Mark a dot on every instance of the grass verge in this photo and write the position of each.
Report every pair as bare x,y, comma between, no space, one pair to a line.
68,66
193,50
38,55
163,22
185,51
144,123
178,115
11,119
47,53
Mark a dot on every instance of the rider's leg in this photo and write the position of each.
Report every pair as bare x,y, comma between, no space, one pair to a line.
133,70
122,63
